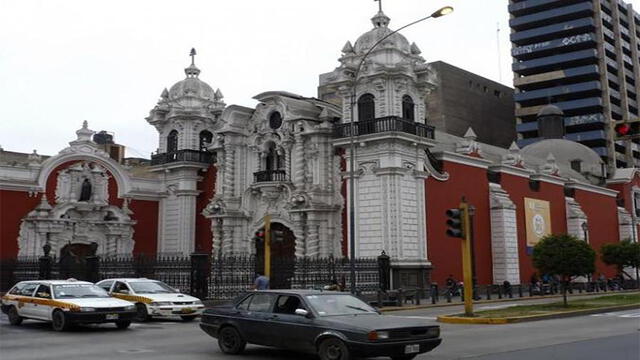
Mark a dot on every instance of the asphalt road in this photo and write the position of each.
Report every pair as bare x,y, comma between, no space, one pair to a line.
602,336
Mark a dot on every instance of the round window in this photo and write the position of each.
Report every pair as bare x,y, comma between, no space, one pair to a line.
275,120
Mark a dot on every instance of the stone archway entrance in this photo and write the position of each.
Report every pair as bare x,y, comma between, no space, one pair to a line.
73,260
282,258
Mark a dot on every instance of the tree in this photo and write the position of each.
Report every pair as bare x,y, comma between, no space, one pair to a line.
565,256
623,254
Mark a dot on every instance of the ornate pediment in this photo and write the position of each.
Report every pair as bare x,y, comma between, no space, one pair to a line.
83,182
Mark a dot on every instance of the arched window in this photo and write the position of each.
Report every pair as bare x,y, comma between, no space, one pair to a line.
172,141
205,139
408,106
366,107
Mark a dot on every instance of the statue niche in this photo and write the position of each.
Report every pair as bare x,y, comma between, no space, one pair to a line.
85,191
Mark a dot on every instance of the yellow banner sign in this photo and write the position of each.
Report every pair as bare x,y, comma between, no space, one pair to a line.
537,220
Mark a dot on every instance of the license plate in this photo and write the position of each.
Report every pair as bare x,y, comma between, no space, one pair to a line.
111,317
187,310
411,349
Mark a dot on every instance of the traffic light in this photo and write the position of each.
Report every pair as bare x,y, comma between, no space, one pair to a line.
622,129
277,235
454,223
259,236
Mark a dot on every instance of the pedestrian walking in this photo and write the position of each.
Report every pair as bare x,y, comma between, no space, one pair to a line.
261,282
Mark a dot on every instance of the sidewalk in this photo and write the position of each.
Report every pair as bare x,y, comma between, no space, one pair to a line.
426,303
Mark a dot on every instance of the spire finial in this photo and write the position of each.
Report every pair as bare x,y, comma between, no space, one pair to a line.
193,55
192,71
379,5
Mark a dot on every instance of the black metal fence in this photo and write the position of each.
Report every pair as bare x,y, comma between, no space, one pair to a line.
217,278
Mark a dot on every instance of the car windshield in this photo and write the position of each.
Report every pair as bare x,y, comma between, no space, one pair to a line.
328,305
151,287
74,291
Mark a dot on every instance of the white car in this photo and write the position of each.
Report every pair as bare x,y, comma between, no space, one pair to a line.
153,298
65,302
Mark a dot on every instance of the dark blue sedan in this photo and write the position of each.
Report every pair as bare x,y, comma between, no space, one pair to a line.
336,326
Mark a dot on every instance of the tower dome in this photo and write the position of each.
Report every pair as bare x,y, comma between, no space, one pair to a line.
192,86
380,29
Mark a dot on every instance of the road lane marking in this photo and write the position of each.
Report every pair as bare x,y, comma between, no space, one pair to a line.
416,317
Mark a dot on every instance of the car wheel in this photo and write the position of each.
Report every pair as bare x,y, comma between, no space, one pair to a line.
141,312
230,341
14,318
59,321
123,324
188,317
404,357
333,349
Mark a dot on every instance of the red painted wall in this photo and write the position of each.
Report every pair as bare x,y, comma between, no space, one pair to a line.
518,188
145,231
207,188
602,217
14,205
445,252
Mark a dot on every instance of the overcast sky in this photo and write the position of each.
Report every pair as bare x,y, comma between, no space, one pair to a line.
62,62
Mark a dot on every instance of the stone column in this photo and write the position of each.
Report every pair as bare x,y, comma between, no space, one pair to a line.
504,236
216,230
313,240
299,175
575,218
227,242
625,225
298,231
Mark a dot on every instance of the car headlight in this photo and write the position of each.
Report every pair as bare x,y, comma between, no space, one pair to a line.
434,331
377,335
87,309
161,303
130,307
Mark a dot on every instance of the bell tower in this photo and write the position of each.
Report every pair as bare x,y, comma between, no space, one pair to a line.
382,89
186,117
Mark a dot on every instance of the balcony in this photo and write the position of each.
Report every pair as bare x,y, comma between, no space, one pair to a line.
556,46
187,155
572,59
553,15
554,31
382,125
269,176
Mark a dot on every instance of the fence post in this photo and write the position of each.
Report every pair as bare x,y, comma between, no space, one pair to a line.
44,263
434,292
199,275
93,268
383,271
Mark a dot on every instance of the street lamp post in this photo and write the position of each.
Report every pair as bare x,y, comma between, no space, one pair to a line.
352,230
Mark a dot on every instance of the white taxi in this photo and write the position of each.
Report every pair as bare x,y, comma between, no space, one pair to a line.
153,298
65,302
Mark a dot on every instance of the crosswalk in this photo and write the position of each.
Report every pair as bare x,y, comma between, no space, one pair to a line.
621,314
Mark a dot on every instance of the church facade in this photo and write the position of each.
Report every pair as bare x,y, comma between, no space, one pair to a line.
221,169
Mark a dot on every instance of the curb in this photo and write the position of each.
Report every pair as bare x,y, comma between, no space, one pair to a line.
524,298
516,319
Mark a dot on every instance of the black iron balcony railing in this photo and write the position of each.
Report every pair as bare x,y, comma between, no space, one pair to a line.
182,155
270,175
384,124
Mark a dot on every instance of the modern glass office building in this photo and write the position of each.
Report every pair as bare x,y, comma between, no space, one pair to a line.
582,56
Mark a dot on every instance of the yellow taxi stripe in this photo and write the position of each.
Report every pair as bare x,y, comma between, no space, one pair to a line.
132,298
40,301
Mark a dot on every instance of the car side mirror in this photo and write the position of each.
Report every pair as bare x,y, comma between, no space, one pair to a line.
302,312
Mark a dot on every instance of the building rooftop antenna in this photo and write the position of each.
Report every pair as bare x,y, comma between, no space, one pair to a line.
498,43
